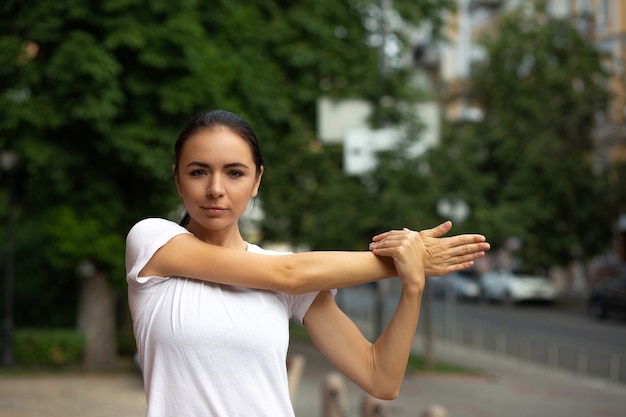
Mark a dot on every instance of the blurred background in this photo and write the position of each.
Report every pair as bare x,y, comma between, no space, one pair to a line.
506,117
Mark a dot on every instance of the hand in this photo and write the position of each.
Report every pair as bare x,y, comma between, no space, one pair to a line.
408,252
449,254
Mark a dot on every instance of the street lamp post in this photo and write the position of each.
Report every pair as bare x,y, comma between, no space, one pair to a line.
8,161
457,210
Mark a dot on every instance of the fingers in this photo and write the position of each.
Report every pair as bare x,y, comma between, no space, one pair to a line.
437,231
465,242
386,240
469,248
390,233
389,243
464,239
444,255
462,258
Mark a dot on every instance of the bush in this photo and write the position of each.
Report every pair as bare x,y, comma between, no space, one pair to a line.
126,345
48,347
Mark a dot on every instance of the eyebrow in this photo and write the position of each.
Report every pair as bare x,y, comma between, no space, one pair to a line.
230,165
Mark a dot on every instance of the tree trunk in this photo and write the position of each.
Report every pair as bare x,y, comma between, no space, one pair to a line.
96,320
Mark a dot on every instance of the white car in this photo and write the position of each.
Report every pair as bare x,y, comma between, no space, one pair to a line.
509,288
462,285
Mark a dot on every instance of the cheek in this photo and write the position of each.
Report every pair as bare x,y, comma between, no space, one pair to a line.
189,189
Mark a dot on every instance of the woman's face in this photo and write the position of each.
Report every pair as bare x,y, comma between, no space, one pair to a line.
216,177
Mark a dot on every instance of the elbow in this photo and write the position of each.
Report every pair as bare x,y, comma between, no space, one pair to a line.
385,389
288,280
290,286
386,393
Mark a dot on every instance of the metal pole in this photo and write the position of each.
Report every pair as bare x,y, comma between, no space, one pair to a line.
426,320
450,310
7,351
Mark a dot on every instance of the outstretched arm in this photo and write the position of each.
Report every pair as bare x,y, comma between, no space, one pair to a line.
187,256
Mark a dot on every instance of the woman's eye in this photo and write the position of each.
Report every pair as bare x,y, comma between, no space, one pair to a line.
197,173
235,173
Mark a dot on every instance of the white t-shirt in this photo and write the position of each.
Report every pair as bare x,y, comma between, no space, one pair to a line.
208,349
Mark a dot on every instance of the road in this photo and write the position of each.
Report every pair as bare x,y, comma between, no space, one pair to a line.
542,334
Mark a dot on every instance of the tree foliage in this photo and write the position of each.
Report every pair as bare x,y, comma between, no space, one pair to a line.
540,87
93,95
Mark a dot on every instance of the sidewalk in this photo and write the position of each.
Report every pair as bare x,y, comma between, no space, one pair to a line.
72,395
503,388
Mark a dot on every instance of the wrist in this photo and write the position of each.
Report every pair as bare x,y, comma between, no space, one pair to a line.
413,288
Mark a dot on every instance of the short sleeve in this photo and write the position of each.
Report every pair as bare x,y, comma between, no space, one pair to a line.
299,304
142,242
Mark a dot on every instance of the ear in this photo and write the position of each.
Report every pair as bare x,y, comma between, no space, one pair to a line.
176,180
257,184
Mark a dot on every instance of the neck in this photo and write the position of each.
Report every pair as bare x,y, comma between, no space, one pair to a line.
223,237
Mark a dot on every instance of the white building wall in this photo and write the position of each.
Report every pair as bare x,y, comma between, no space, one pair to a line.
335,117
346,122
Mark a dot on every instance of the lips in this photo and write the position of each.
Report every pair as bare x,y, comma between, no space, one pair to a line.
214,210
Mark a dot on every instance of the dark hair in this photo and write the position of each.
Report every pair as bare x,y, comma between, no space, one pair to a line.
212,120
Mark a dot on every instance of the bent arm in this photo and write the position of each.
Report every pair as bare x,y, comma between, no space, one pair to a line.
379,367
187,256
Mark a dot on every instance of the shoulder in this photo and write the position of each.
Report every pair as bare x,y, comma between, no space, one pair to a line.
152,227
146,237
150,234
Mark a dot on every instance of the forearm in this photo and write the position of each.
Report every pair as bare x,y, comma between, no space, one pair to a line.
324,270
391,350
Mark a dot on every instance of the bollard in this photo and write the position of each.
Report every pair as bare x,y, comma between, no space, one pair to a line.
373,407
434,410
335,396
295,367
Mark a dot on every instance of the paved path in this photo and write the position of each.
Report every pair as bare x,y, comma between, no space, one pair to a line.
72,395
503,388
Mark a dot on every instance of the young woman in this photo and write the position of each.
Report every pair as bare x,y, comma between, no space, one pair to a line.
211,311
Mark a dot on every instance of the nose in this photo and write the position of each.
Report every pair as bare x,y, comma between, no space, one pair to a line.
215,187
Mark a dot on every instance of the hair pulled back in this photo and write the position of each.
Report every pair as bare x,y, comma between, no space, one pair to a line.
213,120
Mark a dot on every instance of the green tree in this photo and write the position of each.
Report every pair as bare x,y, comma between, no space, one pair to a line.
528,165
92,97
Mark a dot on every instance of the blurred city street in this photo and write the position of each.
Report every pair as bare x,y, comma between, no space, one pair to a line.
500,386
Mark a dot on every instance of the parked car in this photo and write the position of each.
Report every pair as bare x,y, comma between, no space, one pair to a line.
608,298
511,288
462,284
